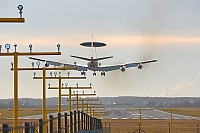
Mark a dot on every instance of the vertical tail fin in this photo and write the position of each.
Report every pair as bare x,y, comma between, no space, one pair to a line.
92,45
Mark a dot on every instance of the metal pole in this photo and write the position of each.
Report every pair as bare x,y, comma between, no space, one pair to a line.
88,120
91,122
140,120
44,100
82,105
15,92
59,96
51,123
27,127
70,99
74,121
87,108
5,128
90,112
59,122
71,122
79,121
170,119
85,121
40,125
77,102
82,120
66,125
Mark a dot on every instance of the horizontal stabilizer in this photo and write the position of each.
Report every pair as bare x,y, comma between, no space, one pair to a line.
32,58
102,58
95,44
82,58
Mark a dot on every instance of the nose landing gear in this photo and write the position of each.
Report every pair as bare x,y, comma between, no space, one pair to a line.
94,74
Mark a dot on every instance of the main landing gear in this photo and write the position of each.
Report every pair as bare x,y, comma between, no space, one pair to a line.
83,73
103,74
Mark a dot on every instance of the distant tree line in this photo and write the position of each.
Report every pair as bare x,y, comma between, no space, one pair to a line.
184,104
20,105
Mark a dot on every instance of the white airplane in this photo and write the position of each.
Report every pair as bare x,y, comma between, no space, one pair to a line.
93,63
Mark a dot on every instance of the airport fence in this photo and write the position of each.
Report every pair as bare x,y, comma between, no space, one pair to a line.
64,123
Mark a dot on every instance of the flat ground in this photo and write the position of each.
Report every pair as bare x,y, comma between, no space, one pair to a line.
122,125
131,125
151,126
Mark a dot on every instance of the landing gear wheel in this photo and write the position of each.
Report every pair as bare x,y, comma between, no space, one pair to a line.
94,74
103,73
83,73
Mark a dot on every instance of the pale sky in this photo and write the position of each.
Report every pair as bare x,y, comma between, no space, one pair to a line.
134,30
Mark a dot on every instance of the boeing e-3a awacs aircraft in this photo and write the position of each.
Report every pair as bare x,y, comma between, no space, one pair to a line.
93,63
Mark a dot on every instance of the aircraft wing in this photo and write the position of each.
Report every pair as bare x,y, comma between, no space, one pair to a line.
128,65
149,61
109,68
56,63
138,63
81,68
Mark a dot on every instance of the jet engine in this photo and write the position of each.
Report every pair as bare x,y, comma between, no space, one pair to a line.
123,69
139,66
46,64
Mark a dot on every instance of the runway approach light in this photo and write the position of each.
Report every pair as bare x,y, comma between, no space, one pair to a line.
0,48
15,47
20,8
32,63
66,84
55,73
38,64
58,45
12,64
34,74
68,74
7,46
30,46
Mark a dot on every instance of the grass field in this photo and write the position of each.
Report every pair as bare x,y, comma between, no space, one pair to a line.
195,112
152,126
8,113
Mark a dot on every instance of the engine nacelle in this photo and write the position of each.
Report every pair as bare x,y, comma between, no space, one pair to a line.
139,66
46,64
75,63
123,69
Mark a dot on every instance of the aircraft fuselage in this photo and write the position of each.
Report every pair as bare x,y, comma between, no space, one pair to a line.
93,65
